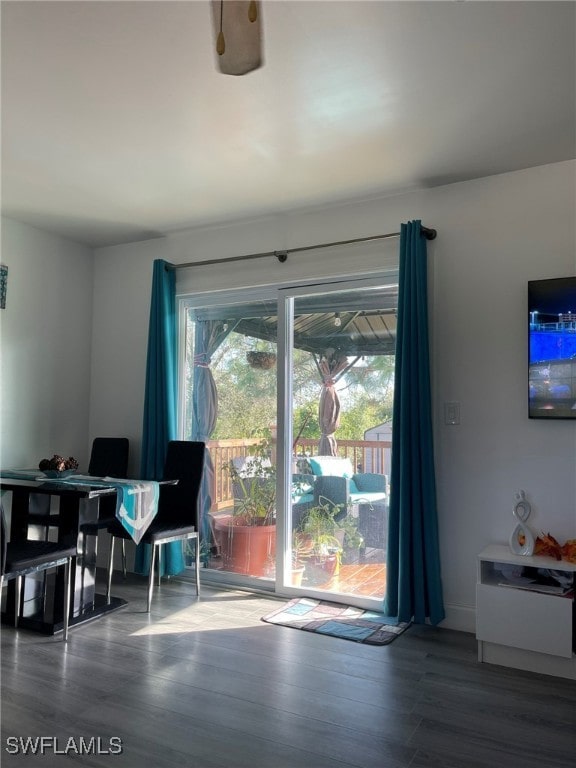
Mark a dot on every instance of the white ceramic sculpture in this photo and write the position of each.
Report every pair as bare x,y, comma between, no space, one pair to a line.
521,539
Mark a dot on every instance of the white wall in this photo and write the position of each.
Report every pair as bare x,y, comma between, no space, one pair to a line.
495,234
46,347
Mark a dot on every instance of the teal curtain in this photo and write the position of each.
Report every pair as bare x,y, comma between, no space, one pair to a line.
413,582
160,402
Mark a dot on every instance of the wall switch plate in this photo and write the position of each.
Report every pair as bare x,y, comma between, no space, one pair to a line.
452,413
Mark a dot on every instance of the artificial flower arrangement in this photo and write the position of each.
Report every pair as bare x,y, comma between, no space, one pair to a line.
549,546
58,466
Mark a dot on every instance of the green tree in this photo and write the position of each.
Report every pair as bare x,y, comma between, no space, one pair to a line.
247,396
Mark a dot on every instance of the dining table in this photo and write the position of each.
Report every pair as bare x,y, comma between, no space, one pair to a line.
68,507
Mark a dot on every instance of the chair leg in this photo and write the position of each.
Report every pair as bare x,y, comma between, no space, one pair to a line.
66,607
17,599
110,567
197,564
159,564
151,577
124,558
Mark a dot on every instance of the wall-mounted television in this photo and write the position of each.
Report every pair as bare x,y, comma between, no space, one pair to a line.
552,348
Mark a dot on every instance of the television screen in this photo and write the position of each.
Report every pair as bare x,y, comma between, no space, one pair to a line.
552,348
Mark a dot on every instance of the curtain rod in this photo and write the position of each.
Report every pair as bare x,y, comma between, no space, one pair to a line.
429,234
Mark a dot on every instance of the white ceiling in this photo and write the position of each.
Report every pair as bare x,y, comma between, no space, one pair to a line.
117,126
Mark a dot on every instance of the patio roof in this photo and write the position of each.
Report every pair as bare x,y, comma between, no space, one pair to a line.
370,330
360,333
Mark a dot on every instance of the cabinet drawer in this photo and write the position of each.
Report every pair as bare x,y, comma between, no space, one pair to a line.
524,619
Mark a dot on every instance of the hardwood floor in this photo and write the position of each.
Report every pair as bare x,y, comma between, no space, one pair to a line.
207,684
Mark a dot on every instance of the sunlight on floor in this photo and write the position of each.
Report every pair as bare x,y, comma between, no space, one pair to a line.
198,617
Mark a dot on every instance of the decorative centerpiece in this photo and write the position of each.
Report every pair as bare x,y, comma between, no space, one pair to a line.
262,360
58,466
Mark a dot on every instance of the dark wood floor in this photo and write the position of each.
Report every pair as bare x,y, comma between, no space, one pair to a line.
208,685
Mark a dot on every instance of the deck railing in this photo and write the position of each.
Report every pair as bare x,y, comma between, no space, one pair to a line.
365,455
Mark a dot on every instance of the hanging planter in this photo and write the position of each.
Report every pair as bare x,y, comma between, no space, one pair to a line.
261,360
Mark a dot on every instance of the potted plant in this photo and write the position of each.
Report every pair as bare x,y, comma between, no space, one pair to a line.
261,360
297,571
353,541
320,541
248,535
302,548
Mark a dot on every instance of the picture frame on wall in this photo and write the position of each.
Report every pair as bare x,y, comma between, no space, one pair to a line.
3,285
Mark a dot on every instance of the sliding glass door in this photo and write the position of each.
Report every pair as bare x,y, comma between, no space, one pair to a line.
229,395
293,392
337,391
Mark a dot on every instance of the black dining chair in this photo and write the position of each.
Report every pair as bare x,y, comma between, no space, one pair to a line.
178,517
108,458
26,557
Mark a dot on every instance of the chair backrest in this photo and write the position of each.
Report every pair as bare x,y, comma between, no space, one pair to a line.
109,457
185,463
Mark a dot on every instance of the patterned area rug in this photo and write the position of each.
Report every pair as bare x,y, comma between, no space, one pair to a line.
337,620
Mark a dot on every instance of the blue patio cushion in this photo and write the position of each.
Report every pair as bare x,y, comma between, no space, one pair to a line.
302,487
302,493
367,497
371,482
370,488
352,487
303,498
335,466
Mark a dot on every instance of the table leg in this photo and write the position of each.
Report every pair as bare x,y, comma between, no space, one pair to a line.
74,513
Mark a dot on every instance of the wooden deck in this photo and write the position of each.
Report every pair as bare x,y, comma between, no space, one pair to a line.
360,579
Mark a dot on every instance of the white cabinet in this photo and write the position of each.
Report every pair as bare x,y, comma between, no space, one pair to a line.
512,614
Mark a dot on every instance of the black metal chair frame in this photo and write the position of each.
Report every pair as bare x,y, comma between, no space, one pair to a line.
108,458
165,528
24,558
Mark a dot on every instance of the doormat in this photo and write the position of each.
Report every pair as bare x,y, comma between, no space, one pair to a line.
336,620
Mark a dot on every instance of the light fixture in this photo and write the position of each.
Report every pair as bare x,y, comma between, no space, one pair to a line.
238,34
337,320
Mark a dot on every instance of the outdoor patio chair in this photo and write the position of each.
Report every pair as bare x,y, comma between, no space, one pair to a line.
363,495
